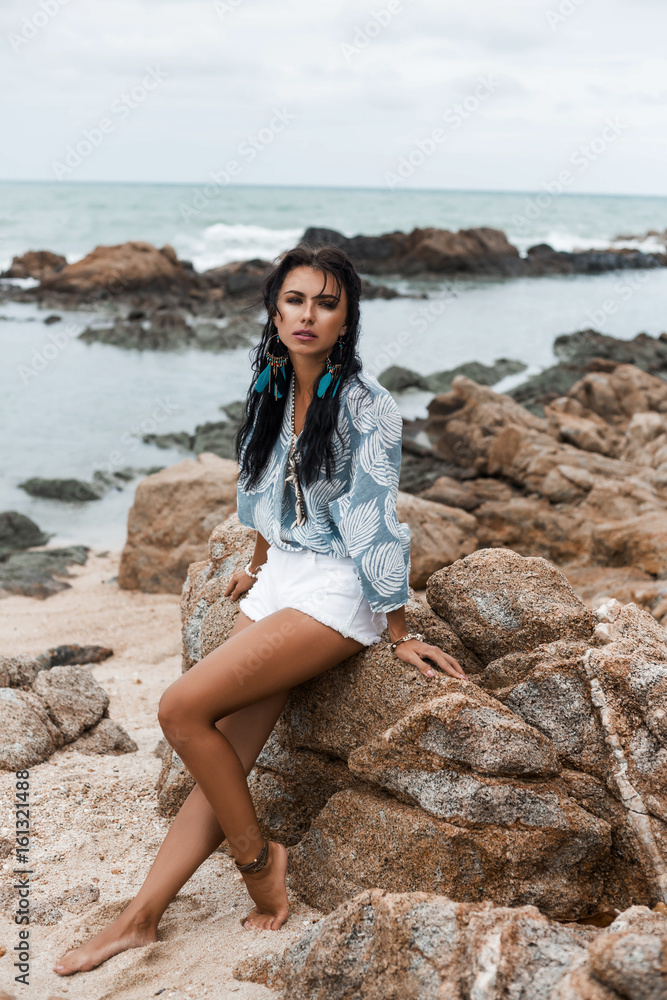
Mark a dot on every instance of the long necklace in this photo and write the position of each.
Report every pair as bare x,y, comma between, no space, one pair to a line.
292,469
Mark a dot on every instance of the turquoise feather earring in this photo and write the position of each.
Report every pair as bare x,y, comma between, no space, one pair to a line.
275,366
332,372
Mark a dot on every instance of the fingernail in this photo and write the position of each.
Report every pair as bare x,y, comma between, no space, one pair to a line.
430,673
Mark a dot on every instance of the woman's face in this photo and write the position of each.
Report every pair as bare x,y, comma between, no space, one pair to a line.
306,303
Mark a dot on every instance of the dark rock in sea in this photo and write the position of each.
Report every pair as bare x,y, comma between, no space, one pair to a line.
38,264
19,532
645,352
397,379
172,439
543,259
480,251
63,489
473,252
586,351
170,331
34,573
217,437
214,436
53,318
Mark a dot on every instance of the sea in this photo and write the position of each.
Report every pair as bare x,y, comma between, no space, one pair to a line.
70,409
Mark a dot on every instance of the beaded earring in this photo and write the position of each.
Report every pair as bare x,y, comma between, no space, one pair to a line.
332,371
275,366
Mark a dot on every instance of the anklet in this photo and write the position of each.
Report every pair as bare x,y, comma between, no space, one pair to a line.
259,862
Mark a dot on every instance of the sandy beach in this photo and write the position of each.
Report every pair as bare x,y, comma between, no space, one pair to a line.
95,825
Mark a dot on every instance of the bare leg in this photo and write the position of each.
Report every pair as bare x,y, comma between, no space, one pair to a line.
272,655
192,837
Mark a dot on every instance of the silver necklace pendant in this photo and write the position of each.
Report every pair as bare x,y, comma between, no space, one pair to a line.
293,473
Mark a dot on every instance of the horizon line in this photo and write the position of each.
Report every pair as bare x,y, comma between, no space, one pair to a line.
335,187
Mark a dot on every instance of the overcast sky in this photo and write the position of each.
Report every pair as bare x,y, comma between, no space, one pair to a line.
338,93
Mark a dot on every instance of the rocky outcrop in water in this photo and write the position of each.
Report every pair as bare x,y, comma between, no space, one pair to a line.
477,252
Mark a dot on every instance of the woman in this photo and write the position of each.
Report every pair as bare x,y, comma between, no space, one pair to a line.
319,457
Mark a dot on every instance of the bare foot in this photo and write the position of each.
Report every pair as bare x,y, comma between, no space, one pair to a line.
267,890
124,933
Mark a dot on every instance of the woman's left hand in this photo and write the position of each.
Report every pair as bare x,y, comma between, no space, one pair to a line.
417,653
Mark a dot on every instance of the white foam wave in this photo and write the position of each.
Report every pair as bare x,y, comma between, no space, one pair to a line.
570,243
221,243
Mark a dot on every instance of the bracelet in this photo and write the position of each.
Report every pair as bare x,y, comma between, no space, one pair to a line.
250,572
404,638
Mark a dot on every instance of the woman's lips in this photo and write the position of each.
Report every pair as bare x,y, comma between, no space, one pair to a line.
305,336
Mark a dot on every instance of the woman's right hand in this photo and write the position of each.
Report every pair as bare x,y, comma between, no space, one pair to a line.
240,582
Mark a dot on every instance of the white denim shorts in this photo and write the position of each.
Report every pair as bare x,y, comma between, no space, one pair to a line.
323,586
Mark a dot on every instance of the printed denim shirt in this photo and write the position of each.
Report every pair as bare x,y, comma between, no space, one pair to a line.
354,512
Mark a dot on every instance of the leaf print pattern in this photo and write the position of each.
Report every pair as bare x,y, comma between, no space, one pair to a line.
354,513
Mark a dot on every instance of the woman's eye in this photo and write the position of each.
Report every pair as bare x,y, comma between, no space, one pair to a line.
329,305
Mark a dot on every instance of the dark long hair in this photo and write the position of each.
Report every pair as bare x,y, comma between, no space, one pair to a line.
264,414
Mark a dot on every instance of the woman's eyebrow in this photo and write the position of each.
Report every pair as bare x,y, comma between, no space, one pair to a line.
322,295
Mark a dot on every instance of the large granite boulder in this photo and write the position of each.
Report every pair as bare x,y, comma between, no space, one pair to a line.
44,707
121,268
170,521
383,944
538,781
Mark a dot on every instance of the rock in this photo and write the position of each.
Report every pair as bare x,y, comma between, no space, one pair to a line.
640,542
647,353
363,839
397,379
617,395
499,602
239,279
469,495
174,784
532,526
106,736
570,421
439,535
73,698
426,251
290,787
482,374
39,264
464,729
74,653
420,944
19,671
34,574
120,268
69,490
28,734
596,585
171,519
19,532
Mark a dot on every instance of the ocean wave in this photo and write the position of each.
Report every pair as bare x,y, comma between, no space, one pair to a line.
221,243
